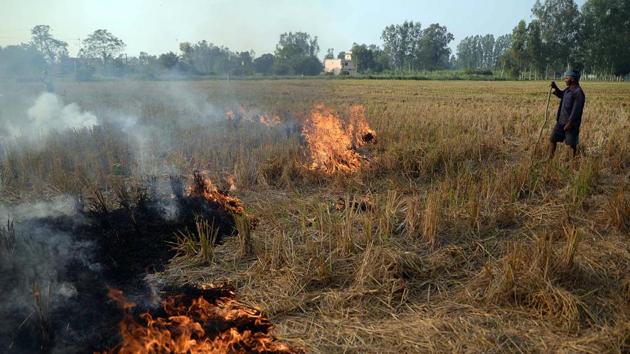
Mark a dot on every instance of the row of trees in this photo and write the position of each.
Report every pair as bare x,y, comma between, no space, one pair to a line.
413,48
482,52
45,55
101,54
295,54
595,39
407,47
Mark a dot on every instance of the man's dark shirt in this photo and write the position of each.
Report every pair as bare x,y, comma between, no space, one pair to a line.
571,107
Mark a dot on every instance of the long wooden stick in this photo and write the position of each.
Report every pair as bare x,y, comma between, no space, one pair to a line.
543,126
531,161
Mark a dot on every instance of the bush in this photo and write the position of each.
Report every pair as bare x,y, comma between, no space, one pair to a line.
484,72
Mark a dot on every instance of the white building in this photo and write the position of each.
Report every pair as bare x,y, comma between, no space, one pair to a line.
338,66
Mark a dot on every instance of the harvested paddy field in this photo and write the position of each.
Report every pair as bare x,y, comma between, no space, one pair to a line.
355,216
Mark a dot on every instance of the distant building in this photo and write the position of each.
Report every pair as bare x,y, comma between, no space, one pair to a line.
339,66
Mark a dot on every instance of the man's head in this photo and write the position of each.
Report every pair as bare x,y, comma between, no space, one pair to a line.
571,77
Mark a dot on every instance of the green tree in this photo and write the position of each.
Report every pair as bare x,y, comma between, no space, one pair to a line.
309,65
501,45
381,59
516,57
534,48
410,47
101,45
400,43
478,52
264,64
369,58
607,36
148,65
244,64
298,42
468,53
362,57
432,48
487,51
21,62
560,23
296,53
186,59
205,58
168,60
53,50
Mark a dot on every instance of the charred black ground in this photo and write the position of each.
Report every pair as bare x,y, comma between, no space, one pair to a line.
122,245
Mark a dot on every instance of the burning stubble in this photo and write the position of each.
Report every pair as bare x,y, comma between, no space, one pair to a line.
449,243
100,240
199,321
58,259
332,144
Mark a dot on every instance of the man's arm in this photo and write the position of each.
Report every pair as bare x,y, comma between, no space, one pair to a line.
556,90
576,111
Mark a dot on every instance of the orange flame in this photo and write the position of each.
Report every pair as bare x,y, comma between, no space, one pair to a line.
230,180
358,127
270,122
331,146
203,187
224,326
253,115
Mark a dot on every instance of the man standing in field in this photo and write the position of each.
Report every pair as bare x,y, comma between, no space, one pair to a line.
569,115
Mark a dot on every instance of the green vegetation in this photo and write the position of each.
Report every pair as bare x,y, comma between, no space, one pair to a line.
594,39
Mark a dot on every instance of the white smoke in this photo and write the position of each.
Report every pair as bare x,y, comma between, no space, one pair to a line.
61,205
36,256
185,109
49,113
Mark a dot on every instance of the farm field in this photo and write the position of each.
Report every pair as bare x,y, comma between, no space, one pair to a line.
445,231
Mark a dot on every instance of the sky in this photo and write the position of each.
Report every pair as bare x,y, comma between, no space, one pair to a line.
158,26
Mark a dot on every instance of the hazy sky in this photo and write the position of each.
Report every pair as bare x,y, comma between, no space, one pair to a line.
159,26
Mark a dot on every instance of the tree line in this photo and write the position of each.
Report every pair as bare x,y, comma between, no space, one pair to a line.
101,56
595,39
560,35
407,47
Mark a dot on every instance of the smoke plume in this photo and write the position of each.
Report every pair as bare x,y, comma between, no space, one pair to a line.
34,263
48,113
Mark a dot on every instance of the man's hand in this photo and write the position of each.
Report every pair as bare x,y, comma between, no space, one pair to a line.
554,86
